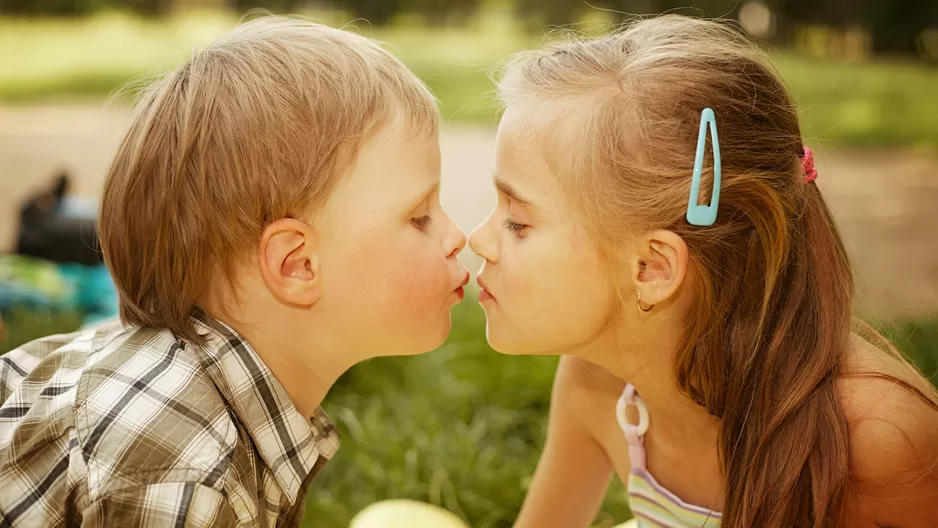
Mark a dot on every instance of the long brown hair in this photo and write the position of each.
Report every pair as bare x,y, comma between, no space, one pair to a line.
768,332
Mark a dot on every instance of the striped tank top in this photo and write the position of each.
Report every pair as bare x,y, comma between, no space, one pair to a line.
652,504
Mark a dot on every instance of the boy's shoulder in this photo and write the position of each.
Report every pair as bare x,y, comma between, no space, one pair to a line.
146,411
134,406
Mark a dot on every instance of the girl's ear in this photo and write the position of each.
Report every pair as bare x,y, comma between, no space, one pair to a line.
659,266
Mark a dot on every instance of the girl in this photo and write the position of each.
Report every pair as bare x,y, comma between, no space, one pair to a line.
659,226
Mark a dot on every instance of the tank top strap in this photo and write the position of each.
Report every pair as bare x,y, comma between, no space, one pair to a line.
634,434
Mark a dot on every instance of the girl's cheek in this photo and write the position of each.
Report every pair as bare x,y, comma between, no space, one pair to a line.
516,273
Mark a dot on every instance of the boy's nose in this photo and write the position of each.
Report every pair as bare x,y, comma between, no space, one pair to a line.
457,240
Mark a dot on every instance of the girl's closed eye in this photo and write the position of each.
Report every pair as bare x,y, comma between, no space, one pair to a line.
422,222
514,220
515,227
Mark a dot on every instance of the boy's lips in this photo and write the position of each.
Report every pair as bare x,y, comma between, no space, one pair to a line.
459,291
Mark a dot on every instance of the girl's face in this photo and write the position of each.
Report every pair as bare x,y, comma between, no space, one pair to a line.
543,287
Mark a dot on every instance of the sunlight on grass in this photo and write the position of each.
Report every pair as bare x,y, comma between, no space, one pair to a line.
111,46
873,103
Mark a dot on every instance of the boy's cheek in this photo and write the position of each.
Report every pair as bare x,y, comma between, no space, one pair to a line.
404,276
419,284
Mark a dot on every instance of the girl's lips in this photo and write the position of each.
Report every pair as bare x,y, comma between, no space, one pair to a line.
484,293
460,290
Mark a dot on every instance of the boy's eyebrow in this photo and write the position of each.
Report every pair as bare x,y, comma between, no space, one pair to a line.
510,191
428,190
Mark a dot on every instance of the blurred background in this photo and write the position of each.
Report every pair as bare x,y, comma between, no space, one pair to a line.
461,427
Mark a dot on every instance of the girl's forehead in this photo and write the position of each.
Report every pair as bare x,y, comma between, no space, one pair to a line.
521,159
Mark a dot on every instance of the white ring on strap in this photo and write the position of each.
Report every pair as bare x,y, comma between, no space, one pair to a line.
644,418
620,413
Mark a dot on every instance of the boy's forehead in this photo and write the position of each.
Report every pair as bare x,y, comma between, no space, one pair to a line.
394,166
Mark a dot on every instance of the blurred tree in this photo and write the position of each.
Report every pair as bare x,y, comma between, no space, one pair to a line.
438,12
893,26
145,7
49,7
83,7
790,14
896,25
377,12
275,6
564,12
700,8
538,13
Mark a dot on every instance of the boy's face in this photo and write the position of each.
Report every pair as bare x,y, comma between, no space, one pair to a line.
387,250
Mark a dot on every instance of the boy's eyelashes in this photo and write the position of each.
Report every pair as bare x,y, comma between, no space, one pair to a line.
422,222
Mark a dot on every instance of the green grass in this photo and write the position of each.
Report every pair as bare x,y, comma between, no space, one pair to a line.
868,103
918,340
461,427
23,327
872,103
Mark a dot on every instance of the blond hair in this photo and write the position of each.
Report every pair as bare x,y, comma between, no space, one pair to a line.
766,336
256,127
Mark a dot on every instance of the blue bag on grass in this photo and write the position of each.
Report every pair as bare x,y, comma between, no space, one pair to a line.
29,284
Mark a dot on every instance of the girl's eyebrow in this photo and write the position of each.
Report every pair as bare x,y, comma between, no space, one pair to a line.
510,192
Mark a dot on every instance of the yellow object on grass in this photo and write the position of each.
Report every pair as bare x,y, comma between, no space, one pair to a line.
406,514
403,513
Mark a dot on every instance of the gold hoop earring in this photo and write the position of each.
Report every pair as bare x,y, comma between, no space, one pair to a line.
642,308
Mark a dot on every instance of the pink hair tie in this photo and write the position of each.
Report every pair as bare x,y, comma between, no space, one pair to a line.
807,165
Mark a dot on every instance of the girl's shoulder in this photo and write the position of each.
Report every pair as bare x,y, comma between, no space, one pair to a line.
584,382
890,427
588,392
892,422
879,387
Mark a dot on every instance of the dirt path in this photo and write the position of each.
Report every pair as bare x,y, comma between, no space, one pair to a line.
886,202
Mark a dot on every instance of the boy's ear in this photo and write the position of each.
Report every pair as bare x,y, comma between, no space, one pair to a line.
289,262
659,266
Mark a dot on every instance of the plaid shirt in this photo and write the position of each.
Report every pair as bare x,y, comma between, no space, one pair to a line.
132,427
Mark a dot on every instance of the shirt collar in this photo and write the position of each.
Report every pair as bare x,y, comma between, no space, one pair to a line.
289,444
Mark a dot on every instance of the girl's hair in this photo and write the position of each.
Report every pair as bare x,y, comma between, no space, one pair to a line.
766,336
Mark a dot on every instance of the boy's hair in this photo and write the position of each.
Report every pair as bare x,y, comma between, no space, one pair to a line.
256,127
768,330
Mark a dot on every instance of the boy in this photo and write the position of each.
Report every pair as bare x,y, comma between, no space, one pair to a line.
271,218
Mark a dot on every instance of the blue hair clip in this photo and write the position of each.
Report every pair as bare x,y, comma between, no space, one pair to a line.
705,215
